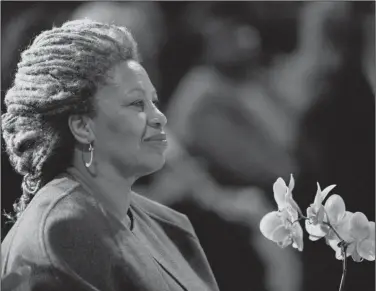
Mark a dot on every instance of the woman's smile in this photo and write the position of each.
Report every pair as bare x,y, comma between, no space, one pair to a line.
157,137
158,140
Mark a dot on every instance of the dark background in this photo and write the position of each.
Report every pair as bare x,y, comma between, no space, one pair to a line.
340,126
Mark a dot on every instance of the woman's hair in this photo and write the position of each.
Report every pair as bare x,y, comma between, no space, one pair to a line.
57,76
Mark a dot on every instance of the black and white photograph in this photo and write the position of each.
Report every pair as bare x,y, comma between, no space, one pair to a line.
188,145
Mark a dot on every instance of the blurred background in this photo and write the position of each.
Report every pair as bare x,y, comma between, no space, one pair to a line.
252,91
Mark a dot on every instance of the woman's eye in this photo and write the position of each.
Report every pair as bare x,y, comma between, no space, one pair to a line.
139,104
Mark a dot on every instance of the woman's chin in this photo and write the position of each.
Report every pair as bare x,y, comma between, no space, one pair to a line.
154,164
144,165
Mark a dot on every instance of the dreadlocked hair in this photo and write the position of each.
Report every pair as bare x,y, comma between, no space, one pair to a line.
57,76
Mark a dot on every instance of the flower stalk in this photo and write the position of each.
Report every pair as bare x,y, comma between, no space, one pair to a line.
335,232
347,233
344,268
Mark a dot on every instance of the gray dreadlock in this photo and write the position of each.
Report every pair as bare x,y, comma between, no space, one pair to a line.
57,76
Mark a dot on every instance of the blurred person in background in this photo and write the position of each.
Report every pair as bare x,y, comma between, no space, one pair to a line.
337,135
367,20
221,169
241,123
231,78
81,126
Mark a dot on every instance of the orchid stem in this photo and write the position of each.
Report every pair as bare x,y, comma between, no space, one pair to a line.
344,248
332,228
344,268
299,219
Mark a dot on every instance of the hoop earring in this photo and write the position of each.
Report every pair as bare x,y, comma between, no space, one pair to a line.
91,150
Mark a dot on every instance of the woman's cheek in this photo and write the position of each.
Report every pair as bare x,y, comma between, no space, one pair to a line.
142,116
114,123
141,124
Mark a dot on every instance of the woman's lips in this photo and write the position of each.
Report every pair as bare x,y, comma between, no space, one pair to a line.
161,137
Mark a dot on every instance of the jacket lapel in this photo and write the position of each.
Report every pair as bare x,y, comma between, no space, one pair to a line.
157,250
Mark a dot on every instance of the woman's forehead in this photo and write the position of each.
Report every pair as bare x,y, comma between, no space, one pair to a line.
128,71
128,76
131,74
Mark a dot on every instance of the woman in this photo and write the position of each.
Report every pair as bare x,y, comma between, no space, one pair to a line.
82,125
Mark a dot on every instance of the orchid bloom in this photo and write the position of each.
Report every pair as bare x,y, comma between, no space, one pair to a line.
358,233
355,229
282,226
317,213
333,213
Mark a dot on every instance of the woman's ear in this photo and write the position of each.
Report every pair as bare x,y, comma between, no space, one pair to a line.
81,128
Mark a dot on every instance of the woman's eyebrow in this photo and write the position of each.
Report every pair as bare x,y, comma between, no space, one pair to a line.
141,90
135,90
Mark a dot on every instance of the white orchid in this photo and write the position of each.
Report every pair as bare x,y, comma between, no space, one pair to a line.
359,235
333,222
347,233
316,212
282,226
319,216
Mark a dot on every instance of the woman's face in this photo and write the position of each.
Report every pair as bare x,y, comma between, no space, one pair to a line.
128,126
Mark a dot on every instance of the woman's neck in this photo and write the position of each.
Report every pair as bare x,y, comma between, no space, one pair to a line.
109,188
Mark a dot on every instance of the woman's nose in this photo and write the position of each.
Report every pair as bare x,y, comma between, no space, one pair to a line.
158,119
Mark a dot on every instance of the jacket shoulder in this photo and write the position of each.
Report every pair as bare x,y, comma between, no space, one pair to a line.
52,225
25,237
163,213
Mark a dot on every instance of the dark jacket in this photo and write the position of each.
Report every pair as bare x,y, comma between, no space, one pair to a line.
72,243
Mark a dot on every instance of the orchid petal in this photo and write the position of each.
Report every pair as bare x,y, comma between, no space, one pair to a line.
285,217
356,256
343,227
339,254
314,238
269,223
335,208
359,226
280,189
326,191
292,183
297,236
315,230
311,213
286,242
321,214
292,214
371,226
366,249
332,239
316,216
290,201
351,251
331,235
280,234
318,199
